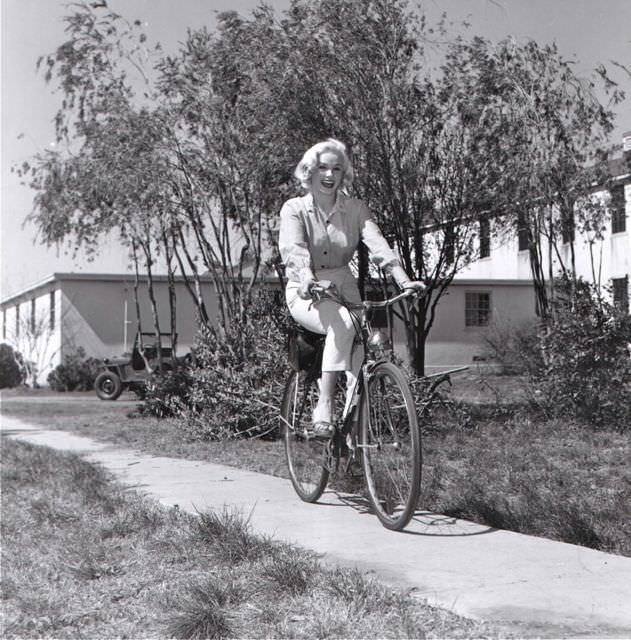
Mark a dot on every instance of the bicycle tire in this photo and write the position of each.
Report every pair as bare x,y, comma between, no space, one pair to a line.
305,456
390,442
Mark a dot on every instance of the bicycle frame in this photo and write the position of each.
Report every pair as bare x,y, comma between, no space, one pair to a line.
344,442
378,434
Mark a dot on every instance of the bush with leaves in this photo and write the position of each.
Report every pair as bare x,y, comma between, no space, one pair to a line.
235,387
585,368
75,373
11,374
513,346
168,393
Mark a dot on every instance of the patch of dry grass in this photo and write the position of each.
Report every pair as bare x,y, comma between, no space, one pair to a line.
563,481
556,479
83,557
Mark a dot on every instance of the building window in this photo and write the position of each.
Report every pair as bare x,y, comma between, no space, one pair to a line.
51,321
618,210
621,293
485,238
17,320
522,232
567,227
33,318
477,311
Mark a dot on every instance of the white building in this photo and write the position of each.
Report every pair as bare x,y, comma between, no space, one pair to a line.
497,288
97,312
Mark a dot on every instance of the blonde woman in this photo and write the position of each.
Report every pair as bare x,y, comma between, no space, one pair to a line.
319,233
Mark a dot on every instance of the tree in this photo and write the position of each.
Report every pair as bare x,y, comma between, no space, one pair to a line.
497,141
550,137
110,178
230,176
34,344
180,178
424,163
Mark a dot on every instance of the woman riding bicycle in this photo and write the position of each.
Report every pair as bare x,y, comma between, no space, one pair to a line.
319,234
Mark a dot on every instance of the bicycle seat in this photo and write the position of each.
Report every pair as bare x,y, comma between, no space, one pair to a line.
303,348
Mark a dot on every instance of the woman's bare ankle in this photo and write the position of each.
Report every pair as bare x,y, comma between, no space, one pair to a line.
323,411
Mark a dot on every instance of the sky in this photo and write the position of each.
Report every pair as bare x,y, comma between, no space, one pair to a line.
587,31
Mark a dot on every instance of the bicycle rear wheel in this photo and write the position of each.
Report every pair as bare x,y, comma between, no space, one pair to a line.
390,442
305,456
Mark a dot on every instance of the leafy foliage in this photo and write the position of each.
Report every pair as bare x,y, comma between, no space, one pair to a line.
586,363
239,385
550,138
515,347
193,171
235,387
167,392
578,362
11,374
75,373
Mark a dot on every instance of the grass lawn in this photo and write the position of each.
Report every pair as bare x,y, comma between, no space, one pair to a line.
556,479
82,557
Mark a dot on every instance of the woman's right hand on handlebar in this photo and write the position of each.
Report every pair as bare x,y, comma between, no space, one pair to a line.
304,290
313,289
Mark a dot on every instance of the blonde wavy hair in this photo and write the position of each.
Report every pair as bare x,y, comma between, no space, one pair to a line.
311,158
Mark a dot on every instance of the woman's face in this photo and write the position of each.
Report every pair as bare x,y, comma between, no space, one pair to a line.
328,174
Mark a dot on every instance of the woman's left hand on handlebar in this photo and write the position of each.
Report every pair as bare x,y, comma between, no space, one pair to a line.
415,285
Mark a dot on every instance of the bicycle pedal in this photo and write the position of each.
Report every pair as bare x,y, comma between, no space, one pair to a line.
309,436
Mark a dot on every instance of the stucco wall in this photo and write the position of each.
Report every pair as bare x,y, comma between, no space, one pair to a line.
98,311
598,260
452,344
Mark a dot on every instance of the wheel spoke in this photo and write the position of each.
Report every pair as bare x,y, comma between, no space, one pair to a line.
390,446
305,456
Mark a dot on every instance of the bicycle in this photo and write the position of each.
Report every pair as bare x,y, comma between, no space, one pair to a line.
378,428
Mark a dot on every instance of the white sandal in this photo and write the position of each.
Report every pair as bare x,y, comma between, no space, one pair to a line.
322,430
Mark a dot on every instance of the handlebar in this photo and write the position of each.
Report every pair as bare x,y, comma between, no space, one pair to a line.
325,288
382,304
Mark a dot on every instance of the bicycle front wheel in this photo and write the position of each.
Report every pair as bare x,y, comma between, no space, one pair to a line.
305,456
390,442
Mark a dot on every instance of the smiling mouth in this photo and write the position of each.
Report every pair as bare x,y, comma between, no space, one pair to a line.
327,183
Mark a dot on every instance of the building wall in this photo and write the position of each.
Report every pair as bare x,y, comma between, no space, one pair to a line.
101,315
598,261
35,330
94,312
451,343
97,312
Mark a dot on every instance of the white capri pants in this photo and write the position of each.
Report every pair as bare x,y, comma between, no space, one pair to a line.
330,319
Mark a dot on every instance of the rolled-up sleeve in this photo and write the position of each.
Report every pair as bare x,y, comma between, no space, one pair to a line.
381,254
293,244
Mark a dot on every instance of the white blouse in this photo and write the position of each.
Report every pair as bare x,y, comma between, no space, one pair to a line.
309,240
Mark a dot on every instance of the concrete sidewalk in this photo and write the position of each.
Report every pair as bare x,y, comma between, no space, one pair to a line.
530,586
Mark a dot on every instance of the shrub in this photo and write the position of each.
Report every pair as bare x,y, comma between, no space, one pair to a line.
235,387
75,373
11,374
168,393
585,368
513,346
